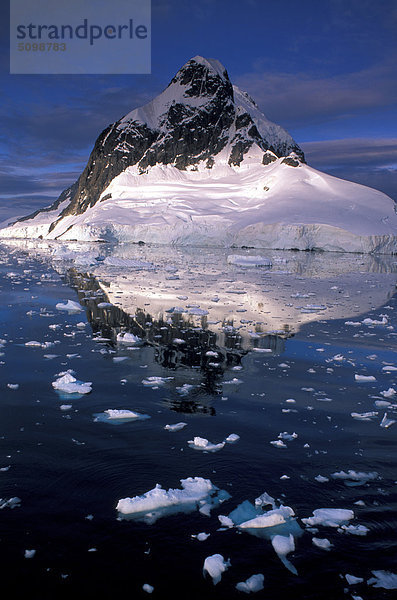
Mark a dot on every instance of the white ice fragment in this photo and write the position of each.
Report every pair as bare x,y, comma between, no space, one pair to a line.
29,553
386,422
283,545
329,517
175,426
158,502
233,437
11,503
68,384
383,579
225,521
366,416
364,378
269,519
252,584
352,478
352,580
388,393
215,565
287,437
278,444
322,543
147,588
155,381
354,529
66,407
33,344
321,479
389,368
248,261
201,537
199,443
120,415
128,338
70,306
13,386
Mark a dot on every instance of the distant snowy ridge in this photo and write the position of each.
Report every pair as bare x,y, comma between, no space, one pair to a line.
201,165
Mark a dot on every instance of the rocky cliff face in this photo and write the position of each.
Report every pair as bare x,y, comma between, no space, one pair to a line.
197,117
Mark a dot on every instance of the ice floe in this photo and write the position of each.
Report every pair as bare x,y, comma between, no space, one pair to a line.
248,261
329,517
215,566
195,493
364,378
199,443
70,306
383,579
68,384
129,338
322,543
175,426
354,478
117,416
252,584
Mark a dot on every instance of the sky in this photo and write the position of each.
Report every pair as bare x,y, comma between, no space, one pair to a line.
324,70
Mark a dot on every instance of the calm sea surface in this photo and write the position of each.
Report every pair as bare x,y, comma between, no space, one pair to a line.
297,359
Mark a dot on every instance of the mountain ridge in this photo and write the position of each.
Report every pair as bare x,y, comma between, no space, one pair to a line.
200,164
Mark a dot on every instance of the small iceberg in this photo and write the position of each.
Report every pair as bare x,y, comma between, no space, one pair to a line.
129,338
199,443
68,384
215,565
196,493
329,517
383,579
118,416
70,306
252,584
249,261
175,426
354,478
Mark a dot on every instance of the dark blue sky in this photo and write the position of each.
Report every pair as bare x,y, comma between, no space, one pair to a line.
326,71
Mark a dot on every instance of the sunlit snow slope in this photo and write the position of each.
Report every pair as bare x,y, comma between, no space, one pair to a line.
201,165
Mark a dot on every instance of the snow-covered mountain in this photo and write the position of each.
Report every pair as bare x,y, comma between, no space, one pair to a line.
201,165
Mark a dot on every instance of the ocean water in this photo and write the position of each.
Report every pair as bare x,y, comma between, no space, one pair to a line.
297,359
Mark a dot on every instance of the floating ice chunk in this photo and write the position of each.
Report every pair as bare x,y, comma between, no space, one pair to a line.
262,350
225,521
156,381
265,500
11,503
66,407
252,584
353,323
248,261
278,444
354,529
184,389
384,321
215,565
33,344
288,437
267,520
352,580
386,422
13,386
389,368
322,543
201,537
68,384
329,517
354,478
175,426
233,437
196,492
388,393
117,416
233,381
383,579
321,479
366,416
199,443
283,545
128,338
364,378
147,588
70,306
29,553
